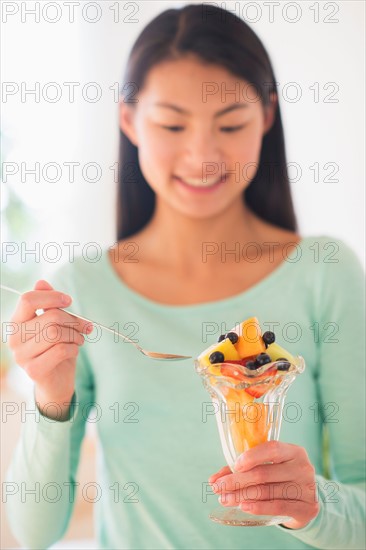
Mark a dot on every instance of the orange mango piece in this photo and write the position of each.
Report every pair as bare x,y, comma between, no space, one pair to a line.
256,427
247,349
236,401
235,418
250,340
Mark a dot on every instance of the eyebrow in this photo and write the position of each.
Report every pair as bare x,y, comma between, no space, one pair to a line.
228,109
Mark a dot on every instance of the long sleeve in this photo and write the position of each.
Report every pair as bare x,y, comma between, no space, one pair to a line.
41,479
341,388
42,475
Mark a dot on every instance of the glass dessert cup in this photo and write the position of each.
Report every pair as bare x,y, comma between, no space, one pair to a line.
248,406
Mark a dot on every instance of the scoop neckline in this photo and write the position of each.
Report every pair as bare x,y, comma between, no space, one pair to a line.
213,304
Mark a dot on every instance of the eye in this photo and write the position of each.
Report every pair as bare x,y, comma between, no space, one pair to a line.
229,129
173,128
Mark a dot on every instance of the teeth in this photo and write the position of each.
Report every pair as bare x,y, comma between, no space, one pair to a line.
200,183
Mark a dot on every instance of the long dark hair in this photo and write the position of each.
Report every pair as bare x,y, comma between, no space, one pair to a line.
219,37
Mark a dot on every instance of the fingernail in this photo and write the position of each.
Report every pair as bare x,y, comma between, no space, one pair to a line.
65,299
217,480
89,328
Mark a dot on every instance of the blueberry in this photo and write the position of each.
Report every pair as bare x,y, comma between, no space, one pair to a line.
216,357
263,359
269,337
251,365
221,338
285,365
233,337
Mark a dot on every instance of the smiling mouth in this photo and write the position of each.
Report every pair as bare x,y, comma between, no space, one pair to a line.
200,183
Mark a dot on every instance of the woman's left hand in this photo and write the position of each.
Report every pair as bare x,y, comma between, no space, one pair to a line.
285,487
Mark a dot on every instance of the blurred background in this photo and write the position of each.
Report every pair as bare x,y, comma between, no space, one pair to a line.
60,81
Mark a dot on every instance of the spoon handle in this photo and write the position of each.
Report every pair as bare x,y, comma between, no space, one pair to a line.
9,289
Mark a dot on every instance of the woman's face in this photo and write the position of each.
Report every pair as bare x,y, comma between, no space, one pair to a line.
198,129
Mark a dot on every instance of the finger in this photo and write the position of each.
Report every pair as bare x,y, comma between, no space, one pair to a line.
268,473
224,471
290,491
42,324
43,285
29,302
271,452
296,510
39,344
39,367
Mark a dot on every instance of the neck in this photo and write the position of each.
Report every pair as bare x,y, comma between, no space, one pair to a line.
189,244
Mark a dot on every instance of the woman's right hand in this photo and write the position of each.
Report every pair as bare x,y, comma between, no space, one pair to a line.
46,346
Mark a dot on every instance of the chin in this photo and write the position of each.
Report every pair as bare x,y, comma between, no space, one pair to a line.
205,208
203,213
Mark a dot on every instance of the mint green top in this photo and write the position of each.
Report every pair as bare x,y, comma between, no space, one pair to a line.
157,448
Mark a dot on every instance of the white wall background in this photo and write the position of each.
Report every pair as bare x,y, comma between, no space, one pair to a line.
305,52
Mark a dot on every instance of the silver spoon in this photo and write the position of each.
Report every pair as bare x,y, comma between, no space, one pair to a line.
150,354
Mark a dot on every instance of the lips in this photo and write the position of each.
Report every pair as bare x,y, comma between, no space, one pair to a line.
199,183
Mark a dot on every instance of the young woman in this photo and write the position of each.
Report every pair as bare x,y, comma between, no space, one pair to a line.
206,238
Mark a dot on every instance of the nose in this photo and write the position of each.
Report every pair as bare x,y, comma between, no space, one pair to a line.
201,147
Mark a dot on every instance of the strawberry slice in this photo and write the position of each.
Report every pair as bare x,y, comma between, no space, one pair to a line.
257,391
228,369
232,372
236,361
241,361
260,389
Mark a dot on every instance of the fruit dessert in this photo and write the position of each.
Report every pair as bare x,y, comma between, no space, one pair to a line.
245,366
